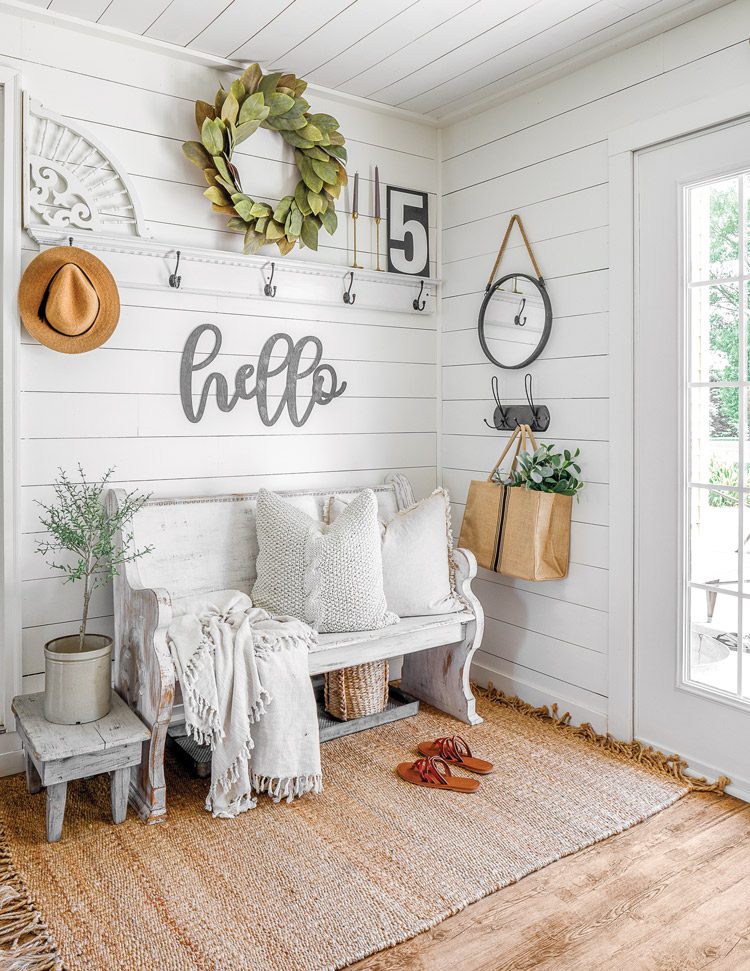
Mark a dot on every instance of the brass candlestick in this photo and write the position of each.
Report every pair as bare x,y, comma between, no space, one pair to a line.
377,243
355,265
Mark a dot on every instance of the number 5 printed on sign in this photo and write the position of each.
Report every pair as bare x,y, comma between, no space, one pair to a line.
408,239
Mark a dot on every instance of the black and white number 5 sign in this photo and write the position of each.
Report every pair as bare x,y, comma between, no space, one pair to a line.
408,239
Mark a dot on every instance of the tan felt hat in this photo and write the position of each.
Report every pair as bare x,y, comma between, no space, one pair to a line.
68,300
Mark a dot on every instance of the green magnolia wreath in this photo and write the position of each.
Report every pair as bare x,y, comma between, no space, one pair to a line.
270,101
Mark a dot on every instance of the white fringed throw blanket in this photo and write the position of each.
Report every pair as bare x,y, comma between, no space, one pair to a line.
247,693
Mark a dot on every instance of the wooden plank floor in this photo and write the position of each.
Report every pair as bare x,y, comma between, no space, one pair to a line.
671,894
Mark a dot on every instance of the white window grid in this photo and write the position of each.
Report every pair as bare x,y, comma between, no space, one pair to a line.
742,489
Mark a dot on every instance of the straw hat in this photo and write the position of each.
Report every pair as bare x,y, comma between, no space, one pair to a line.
68,300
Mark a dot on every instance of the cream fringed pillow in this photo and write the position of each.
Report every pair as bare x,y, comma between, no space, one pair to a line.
329,576
417,552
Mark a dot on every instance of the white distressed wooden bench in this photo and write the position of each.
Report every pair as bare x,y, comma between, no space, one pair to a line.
210,543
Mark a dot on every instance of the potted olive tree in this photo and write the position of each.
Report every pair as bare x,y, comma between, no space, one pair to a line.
81,545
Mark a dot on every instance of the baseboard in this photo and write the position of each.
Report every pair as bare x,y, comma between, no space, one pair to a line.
739,787
11,756
537,695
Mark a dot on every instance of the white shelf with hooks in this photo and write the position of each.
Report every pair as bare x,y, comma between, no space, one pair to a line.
73,187
215,272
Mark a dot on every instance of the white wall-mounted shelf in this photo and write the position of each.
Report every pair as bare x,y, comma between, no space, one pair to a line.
74,187
215,272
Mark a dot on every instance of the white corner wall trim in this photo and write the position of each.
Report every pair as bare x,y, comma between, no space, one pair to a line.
622,148
10,255
621,455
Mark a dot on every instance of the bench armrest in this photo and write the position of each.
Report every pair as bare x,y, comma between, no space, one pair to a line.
143,669
466,571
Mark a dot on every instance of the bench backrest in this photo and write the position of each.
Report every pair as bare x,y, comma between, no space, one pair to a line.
210,543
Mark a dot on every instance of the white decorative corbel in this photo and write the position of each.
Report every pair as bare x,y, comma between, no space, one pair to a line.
71,181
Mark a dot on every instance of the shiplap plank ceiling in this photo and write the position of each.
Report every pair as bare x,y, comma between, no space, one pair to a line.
433,57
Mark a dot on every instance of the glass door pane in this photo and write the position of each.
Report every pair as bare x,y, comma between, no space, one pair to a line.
717,297
714,225
713,639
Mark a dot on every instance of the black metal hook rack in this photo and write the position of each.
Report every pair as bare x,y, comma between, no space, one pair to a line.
506,418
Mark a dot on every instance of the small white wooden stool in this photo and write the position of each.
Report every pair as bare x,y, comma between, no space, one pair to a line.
57,754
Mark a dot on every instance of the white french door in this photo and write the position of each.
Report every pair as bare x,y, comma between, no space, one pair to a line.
692,447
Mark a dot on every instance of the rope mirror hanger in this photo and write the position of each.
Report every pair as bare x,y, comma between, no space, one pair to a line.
514,325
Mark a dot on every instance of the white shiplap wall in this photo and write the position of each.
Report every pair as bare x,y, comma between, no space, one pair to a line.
119,405
544,155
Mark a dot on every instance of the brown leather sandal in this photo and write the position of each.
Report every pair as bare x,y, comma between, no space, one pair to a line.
455,751
433,773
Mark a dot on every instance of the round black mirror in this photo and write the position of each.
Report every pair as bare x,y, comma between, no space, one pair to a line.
515,320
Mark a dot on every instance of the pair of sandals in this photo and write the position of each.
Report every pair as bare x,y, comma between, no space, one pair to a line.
433,770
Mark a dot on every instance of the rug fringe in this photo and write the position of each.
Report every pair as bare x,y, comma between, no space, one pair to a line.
25,941
671,765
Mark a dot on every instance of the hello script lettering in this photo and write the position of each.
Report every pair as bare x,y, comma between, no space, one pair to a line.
289,364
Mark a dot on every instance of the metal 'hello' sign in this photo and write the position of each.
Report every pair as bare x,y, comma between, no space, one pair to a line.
325,382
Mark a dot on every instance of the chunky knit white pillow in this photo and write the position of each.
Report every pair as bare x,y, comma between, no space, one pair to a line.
417,555
329,576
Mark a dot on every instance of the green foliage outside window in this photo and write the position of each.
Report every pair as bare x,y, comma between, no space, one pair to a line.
724,311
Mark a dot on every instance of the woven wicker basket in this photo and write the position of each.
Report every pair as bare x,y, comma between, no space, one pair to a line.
358,691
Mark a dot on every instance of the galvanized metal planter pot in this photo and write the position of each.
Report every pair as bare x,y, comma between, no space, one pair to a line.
77,684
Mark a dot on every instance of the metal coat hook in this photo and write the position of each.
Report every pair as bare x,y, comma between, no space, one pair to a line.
527,379
350,297
517,319
268,289
70,240
418,303
499,411
174,280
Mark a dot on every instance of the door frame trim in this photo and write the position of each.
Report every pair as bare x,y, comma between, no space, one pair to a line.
622,147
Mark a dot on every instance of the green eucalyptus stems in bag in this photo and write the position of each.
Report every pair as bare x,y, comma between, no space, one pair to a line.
545,469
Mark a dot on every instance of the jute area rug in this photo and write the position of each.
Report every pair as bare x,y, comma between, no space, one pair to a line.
324,881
